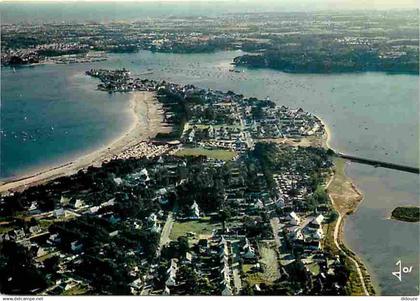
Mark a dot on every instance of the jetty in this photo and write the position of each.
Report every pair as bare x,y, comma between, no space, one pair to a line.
378,163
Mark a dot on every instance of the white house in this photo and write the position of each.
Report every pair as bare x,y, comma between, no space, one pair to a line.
318,220
58,212
110,202
77,204
76,246
195,211
171,272
294,218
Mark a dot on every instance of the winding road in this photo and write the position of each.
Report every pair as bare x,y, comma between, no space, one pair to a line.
337,244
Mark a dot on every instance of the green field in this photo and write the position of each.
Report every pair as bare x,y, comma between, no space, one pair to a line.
219,154
269,264
200,227
5,229
76,291
269,261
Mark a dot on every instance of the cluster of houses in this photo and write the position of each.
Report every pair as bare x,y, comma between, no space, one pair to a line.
223,121
55,52
282,122
229,121
19,57
217,259
220,256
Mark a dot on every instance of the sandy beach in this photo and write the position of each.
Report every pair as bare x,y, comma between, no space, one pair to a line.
147,122
326,138
345,198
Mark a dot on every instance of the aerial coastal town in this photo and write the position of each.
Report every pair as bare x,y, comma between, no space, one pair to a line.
316,42
158,148
221,205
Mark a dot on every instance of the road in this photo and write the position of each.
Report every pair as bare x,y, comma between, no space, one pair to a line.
336,241
166,231
275,227
164,239
337,238
236,278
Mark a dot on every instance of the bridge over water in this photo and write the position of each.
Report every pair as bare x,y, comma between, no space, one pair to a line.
377,163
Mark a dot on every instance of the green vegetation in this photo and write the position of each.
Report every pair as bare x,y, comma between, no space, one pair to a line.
200,227
253,278
219,154
346,198
341,189
269,271
269,261
5,229
354,286
340,60
18,273
76,291
406,214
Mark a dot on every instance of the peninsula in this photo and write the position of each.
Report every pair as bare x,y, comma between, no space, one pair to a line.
223,194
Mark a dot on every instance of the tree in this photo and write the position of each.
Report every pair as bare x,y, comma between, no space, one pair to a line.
51,264
18,275
183,245
224,215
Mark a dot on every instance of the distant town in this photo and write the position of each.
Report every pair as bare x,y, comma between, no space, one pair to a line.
290,42
227,203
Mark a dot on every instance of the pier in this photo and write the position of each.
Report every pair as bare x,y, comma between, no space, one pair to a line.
377,163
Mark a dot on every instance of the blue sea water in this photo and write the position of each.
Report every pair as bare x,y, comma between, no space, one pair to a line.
52,114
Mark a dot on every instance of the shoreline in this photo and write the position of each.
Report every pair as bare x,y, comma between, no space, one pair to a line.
147,122
349,197
327,135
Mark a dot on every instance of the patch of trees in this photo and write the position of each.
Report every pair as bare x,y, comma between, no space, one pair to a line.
123,49
21,41
205,186
105,261
193,47
99,181
330,61
257,227
179,107
106,275
59,52
406,214
88,230
305,160
18,60
175,249
18,274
